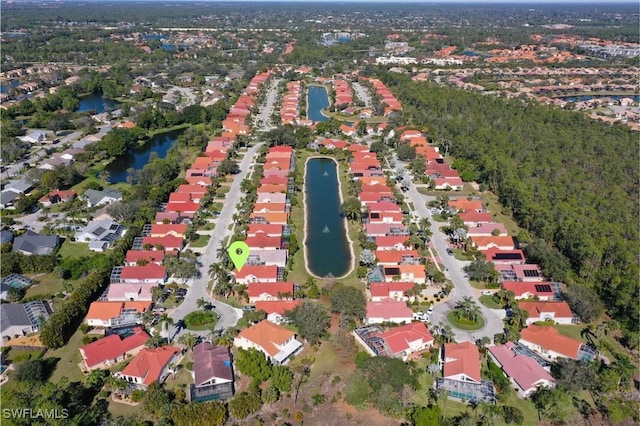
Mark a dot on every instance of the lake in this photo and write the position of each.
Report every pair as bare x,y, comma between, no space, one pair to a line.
137,158
327,248
317,100
97,103
11,84
636,98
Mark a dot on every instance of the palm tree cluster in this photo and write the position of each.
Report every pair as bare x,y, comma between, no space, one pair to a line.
467,309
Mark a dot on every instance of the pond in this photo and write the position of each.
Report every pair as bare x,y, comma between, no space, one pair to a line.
317,100
137,158
327,249
96,103
11,84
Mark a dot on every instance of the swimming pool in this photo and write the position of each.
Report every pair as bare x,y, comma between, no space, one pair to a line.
17,281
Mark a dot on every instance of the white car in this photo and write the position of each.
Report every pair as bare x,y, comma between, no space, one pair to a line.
420,316
487,293
430,310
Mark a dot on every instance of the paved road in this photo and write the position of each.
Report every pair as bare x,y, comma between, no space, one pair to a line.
363,94
229,315
453,271
263,119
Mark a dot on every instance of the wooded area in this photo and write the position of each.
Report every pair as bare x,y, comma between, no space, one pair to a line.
565,178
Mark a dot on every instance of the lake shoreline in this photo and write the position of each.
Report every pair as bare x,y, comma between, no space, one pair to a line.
306,209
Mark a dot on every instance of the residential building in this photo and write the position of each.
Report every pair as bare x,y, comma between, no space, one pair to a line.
20,319
33,243
543,291
523,372
276,342
396,290
105,230
388,310
212,373
461,376
130,292
539,311
57,196
268,257
253,274
398,342
260,291
98,198
115,314
150,365
276,309
150,274
549,343
110,350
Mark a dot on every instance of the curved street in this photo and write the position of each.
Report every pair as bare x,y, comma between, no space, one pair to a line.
453,271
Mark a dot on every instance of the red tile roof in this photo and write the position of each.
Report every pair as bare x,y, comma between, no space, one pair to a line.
395,256
149,363
264,241
399,338
524,370
273,289
258,271
151,255
384,289
268,336
388,309
149,271
561,309
111,347
465,360
550,339
276,306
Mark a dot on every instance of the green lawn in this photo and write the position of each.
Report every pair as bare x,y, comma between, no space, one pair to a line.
72,249
69,358
202,241
462,255
489,302
465,325
573,331
47,284
492,204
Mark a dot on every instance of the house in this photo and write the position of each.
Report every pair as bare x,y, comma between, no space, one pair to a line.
473,218
98,198
6,236
33,137
149,365
520,272
259,291
449,184
7,198
22,186
465,205
398,342
173,229
130,292
393,243
558,312
166,243
271,197
411,273
269,230
280,218
486,230
276,342
264,242
20,319
391,290
256,273
32,243
276,309
503,242
522,290
461,377
150,273
212,373
504,257
106,230
548,342
110,350
113,314
397,257
384,229
142,257
57,196
268,257
388,310
523,371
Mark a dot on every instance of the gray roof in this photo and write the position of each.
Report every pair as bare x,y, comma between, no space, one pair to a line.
95,196
7,197
211,362
33,243
22,314
6,236
20,186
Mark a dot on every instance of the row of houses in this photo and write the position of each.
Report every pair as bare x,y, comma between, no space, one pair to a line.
290,107
132,284
390,101
344,94
437,169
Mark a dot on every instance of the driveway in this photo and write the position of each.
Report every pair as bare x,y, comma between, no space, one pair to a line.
229,315
453,271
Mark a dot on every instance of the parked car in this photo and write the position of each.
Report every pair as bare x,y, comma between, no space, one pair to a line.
248,308
487,293
430,310
420,316
449,252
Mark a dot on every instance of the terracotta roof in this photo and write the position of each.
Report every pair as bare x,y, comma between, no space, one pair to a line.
392,241
211,362
550,339
149,363
168,229
395,256
388,309
104,310
520,288
256,289
149,271
276,306
264,241
383,289
398,338
258,271
561,309
464,204
265,229
465,359
151,255
267,335
112,347
473,216
524,370
167,242
499,241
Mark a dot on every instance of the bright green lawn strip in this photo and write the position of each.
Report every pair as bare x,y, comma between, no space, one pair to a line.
489,302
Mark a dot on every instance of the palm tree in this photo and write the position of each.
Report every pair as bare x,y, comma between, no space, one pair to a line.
166,321
201,303
464,307
189,340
